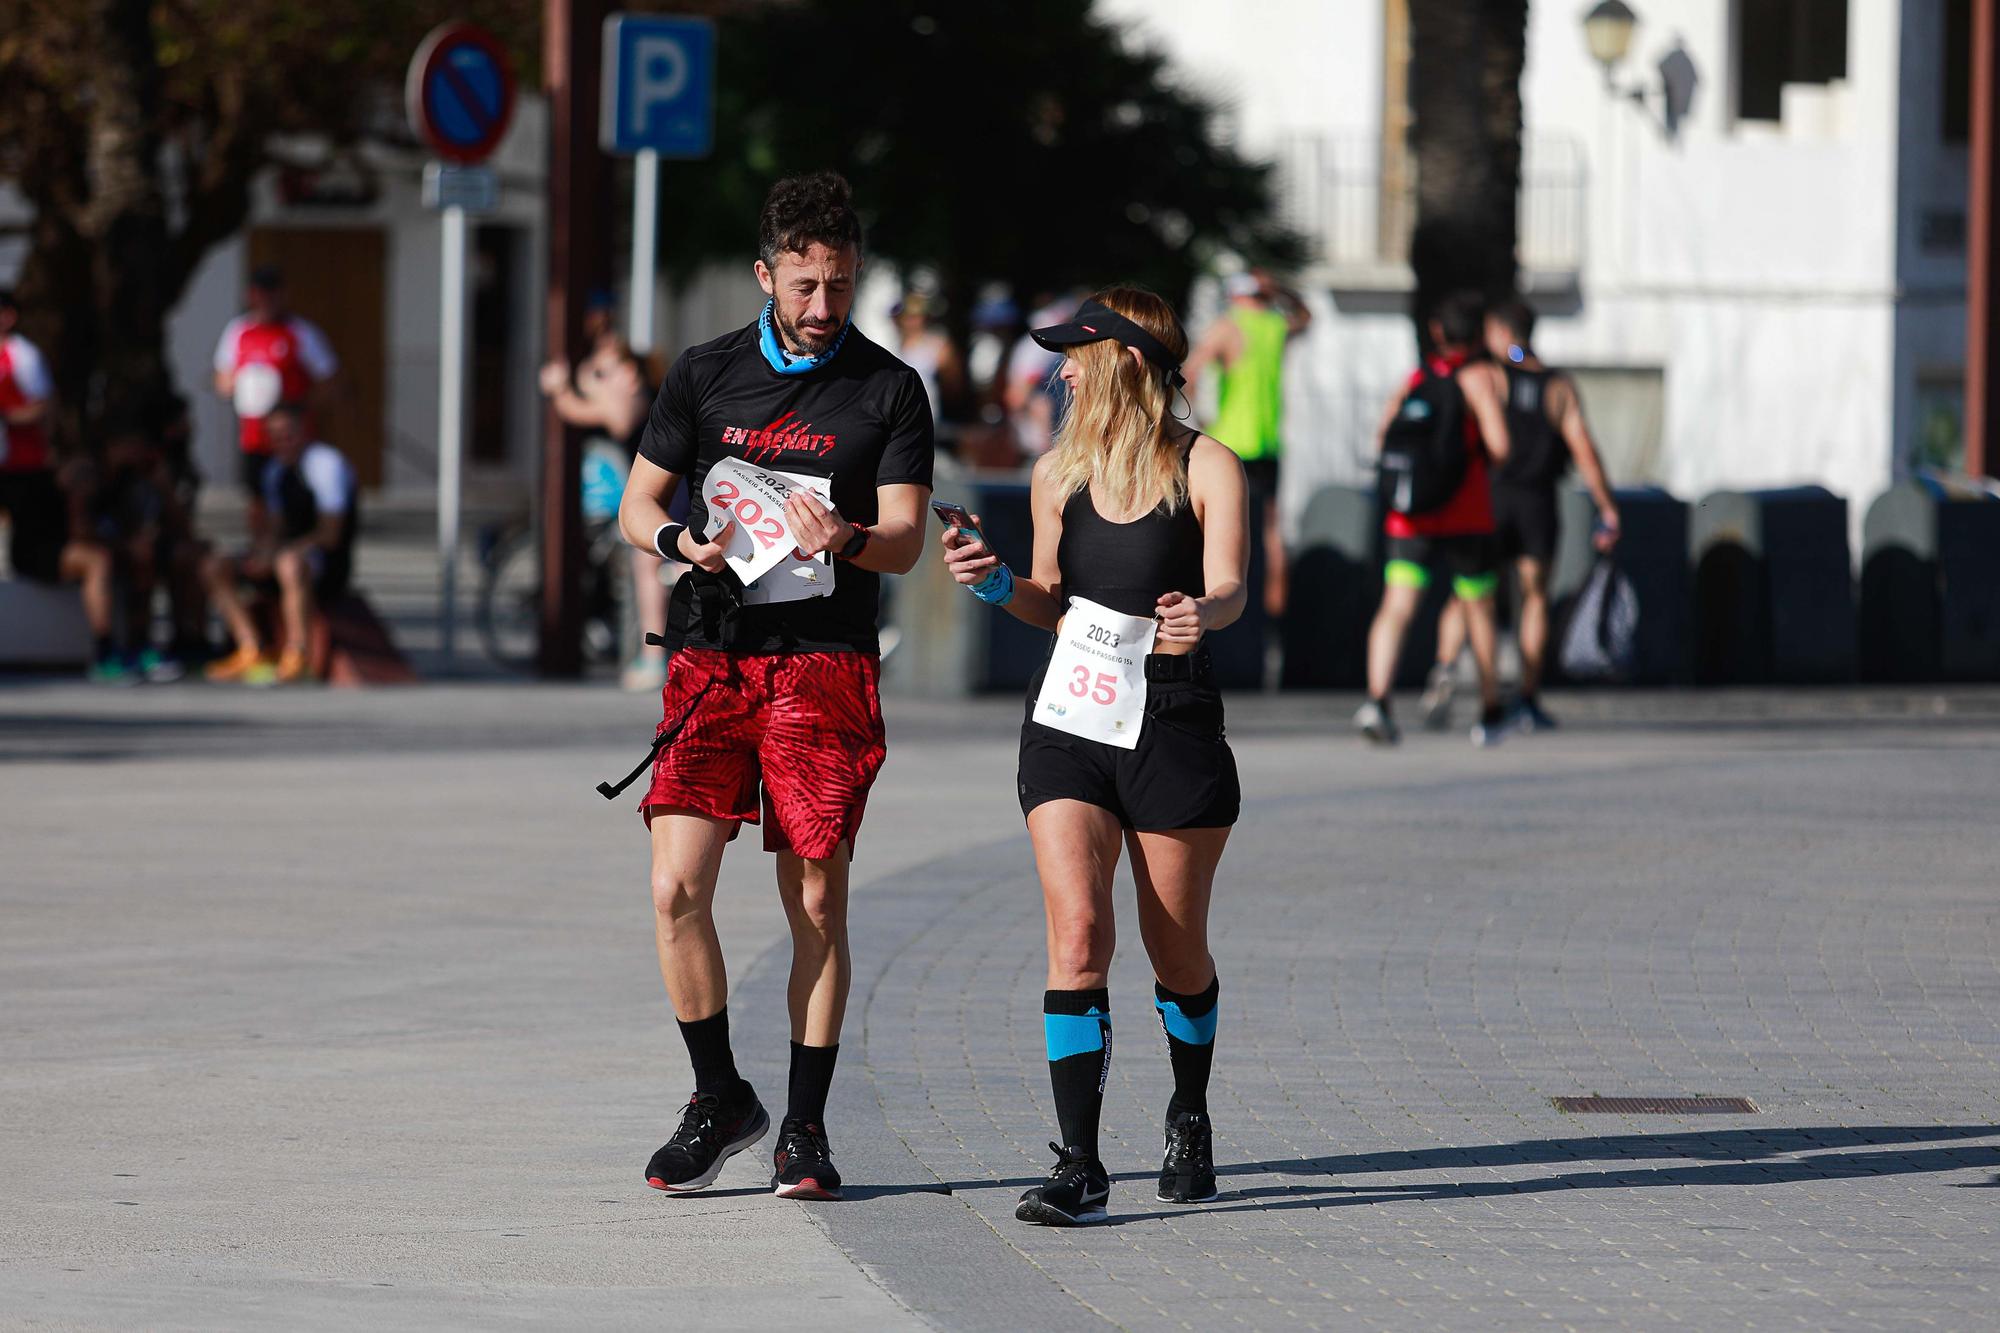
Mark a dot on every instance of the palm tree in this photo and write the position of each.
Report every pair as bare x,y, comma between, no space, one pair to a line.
1465,93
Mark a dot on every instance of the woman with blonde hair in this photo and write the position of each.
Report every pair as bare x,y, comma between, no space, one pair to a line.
1139,551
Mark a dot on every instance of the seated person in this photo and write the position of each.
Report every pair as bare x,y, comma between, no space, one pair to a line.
307,556
86,561
132,509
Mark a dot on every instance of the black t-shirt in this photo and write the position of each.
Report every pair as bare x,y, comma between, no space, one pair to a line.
862,420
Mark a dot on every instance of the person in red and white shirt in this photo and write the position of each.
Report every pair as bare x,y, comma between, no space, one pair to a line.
49,537
266,356
35,510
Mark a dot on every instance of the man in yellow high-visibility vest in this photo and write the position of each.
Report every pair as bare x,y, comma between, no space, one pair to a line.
1249,342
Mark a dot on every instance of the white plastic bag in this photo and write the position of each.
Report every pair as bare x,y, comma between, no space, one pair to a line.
1601,642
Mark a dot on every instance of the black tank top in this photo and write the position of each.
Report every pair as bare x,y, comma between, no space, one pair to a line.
1127,566
1537,455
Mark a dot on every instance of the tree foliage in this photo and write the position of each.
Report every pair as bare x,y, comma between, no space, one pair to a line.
135,129
1465,91
1027,143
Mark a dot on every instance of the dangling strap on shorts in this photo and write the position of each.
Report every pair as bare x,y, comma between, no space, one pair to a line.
660,742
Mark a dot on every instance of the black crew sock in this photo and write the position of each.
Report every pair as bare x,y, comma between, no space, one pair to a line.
812,1075
1190,1024
1492,715
104,648
708,1051
1388,710
1076,1027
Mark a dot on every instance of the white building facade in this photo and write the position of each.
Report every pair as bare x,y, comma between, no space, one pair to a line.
1768,292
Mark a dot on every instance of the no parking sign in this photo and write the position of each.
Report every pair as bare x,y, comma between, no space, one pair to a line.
459,92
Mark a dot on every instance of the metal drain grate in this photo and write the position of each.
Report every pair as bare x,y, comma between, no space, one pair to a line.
1655,1105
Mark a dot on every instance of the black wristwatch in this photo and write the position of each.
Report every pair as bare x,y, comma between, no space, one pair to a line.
855,544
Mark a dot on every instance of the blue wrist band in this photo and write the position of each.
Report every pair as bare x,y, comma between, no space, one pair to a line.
997,588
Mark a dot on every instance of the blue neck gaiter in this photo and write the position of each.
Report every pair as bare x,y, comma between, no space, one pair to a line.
783,361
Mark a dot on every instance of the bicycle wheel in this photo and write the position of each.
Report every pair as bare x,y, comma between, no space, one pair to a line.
510,602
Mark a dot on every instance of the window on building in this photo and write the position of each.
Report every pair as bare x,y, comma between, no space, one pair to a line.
1957,70
1786,41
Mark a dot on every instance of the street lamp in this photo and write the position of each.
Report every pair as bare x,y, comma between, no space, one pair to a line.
1608,30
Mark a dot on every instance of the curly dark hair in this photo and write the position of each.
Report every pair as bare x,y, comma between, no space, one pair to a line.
801,210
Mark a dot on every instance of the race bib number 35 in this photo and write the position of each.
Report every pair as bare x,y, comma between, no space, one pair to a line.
1096,683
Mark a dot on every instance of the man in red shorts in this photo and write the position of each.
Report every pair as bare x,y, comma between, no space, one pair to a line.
772,714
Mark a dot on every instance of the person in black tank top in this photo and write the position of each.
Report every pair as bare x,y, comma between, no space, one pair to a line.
1140,543
1547,430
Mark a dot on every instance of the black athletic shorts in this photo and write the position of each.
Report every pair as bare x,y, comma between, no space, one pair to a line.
1261,476
250,473
1181,775
1524,521
37,523
1469,561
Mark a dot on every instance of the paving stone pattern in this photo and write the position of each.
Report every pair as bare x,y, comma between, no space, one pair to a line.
1418,951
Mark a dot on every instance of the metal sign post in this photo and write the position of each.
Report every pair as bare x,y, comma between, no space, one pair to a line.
451,422
658,101
459,94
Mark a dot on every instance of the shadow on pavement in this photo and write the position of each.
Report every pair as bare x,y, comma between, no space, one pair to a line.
1725,1157
81,737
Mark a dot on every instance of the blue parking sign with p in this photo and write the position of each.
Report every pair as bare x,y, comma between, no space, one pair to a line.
659,86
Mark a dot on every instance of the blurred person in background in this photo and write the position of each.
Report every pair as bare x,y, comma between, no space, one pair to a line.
1248,343
1450,392
924,348
126,503
987,441
608,397
36,517
266,356
1546,431
306,555
600,319
1034,395
996,322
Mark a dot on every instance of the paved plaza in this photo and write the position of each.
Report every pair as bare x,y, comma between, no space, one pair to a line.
323,1008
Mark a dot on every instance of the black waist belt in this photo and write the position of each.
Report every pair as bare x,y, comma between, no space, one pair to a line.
660,742
1170,667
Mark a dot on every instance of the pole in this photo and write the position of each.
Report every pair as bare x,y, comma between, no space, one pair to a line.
576,258
645,244
1982,267
451,424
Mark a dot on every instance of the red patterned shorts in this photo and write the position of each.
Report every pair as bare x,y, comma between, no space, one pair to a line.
805,727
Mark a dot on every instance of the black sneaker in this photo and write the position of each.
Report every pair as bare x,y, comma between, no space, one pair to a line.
1187,1174
710,1134
1373,721
1530,716
1074,1195
802,1167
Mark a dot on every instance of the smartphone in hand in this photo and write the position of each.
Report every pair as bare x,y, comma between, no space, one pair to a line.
955,516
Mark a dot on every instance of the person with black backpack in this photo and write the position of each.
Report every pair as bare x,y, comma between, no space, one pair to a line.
1547,432
1437,436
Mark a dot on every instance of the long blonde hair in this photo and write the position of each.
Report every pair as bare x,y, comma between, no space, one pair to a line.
1113,438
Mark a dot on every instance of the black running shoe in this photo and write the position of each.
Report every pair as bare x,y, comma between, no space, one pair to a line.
802,1167
1074,1194
710,1134
1187,1174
